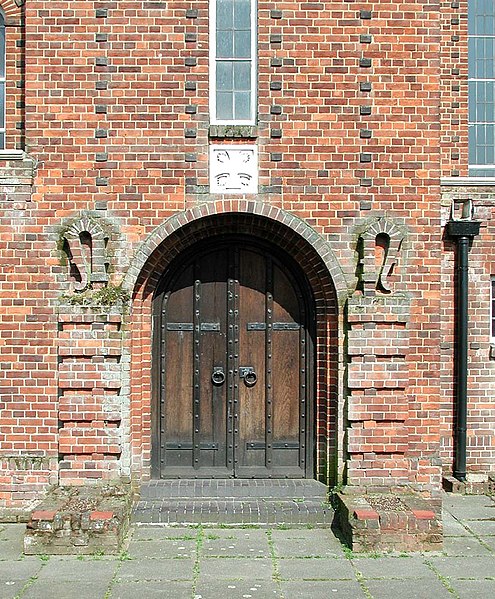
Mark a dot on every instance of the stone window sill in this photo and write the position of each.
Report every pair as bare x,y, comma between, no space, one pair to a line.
233,132
468,181
11,154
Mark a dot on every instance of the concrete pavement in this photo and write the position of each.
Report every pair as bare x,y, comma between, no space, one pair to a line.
260,563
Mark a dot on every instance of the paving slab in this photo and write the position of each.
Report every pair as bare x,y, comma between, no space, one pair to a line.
469,507
19,569
74,570
155,569
258,534
163,548
294,547
316,589
465,567
489,542
14,575
53,589
482,527
236,545
453,528
156,533
238,589
11,541
474,589
393,567
427,588
465,546
333,568
226,568
151,589
308,535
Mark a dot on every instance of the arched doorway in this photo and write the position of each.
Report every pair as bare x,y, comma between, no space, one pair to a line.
233,364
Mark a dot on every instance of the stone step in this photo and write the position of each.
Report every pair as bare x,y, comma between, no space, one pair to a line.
212,512
237,502
241,488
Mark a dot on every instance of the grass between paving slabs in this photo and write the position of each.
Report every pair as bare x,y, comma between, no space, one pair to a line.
200,539
443,579
204,535
44,559
276,571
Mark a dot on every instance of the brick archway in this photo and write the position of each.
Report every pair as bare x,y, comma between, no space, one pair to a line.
293,237
262,217
13,10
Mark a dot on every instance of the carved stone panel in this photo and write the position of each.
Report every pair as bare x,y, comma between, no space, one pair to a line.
233,169
379,250
84,243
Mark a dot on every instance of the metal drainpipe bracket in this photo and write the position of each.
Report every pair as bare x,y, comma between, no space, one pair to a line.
463,228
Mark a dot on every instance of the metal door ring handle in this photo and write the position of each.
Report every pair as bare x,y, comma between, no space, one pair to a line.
218,377
250,379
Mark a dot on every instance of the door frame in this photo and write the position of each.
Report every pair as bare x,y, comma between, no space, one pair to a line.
295,271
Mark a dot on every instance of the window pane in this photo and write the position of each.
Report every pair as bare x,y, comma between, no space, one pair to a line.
481,17
242,47
481,27
481,101
225,44
472,100
243,106
233,60
242,76
482,172
482,144
225,14
2,141
225,79
242,14
472,144
481,57
225,101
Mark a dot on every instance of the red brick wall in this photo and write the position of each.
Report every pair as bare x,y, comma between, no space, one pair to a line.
106,118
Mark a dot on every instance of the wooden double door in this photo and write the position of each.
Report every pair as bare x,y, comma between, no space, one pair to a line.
233,367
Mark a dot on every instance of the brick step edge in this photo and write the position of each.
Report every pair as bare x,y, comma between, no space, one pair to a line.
258,489
415,526
56,529
484,487
228,504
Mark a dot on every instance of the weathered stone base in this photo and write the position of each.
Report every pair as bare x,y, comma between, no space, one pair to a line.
12,515
482,486
387,522
79,521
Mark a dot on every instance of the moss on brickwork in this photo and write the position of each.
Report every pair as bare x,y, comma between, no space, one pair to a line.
110,295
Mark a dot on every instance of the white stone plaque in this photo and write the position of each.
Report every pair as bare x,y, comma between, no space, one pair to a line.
233,169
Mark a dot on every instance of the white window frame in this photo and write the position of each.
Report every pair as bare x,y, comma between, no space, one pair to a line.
489,167
213,67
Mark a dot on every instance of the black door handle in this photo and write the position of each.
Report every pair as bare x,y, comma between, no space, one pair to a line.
218,376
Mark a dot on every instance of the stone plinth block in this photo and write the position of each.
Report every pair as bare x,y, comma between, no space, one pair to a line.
389,522
80,521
